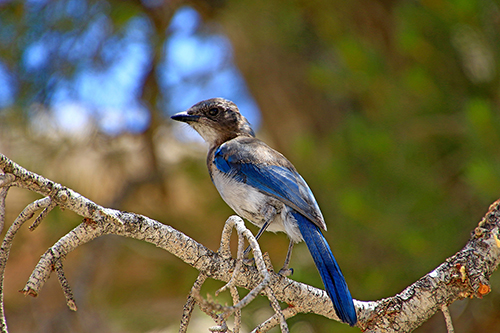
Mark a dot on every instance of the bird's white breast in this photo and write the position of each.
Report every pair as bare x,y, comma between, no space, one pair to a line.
245,200
254,206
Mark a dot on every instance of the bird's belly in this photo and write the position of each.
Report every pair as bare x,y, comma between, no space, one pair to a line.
249,203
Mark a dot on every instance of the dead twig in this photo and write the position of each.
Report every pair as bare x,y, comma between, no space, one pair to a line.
24,216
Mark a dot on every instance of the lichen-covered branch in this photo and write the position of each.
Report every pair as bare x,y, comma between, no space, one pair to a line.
25,215
466,274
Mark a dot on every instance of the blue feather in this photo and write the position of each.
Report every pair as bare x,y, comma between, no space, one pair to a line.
278,181
329,270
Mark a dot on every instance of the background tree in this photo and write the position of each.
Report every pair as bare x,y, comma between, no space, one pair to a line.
387,108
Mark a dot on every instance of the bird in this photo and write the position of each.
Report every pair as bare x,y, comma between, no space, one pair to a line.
262,186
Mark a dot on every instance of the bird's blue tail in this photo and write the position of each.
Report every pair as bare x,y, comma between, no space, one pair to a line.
329,270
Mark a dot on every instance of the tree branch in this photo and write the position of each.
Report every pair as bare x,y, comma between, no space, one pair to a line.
466,274
447,319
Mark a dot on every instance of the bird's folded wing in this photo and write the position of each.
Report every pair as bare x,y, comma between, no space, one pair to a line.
278,181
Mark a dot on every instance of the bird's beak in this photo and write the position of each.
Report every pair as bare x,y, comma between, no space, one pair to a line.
185,117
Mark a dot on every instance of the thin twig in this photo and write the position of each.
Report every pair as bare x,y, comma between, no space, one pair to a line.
225,240
239,261
25,215
68,294
277,309
5,181
238,223
43,214
233,290
214,310
276,320
190,302
447,318
3,196
231,285
237,314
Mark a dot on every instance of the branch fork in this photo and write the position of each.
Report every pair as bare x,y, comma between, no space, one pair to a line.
219,312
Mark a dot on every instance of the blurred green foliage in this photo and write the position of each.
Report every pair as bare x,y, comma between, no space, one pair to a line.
389,109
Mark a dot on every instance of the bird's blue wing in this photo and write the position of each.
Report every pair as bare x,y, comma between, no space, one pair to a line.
279,181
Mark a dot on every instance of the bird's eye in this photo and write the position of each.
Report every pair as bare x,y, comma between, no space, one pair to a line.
213,111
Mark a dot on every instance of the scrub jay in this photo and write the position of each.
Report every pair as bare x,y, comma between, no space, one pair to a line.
262,186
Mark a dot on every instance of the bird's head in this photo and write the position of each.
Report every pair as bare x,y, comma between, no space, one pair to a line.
217,120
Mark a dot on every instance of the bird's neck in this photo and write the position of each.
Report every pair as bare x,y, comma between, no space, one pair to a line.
230,136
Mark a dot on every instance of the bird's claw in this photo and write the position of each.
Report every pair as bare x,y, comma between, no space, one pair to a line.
286,271
249,261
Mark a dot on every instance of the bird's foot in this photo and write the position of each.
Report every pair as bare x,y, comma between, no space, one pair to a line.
285,271
249,261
